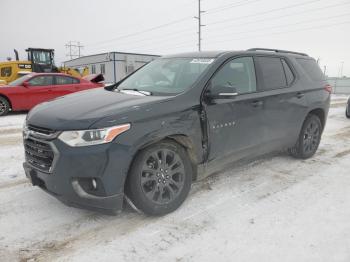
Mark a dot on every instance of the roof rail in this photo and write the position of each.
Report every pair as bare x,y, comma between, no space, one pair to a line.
276,50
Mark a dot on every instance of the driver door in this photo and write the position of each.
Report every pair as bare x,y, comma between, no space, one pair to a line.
40,89
234,124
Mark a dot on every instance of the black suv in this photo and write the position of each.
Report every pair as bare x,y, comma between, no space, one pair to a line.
174,121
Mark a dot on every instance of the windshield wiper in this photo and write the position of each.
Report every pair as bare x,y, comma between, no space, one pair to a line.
146,93
111,87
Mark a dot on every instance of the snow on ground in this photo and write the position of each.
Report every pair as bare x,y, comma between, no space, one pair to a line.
275,208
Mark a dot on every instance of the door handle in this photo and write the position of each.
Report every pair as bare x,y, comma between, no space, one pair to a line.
257,103
300,95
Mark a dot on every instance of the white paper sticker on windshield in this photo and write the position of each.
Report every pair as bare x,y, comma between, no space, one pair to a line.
202,61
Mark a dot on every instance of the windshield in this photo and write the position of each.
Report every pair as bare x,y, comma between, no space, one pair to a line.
19,81
41,57
167,76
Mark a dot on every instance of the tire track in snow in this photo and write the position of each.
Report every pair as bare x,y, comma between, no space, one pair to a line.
68,240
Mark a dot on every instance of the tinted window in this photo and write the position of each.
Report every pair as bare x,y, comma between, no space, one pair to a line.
41,57
239,74
6,71
311,68
19,81
272,72
288,72
41,81
66,80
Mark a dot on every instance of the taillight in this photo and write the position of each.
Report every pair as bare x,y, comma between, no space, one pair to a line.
328,88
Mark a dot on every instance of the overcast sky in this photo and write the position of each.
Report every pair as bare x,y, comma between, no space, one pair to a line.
320,28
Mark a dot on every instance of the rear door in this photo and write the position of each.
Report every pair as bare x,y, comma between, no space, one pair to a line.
65,85
234,124
283,100
39,89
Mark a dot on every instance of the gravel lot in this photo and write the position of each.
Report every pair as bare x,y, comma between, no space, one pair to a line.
273,209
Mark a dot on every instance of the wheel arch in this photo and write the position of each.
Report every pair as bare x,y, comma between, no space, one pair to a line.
183,140
320,113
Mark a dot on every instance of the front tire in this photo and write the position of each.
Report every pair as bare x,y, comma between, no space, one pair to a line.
309,138
347,113
4,106
160,178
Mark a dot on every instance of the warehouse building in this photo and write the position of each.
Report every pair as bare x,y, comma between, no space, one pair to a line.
113,65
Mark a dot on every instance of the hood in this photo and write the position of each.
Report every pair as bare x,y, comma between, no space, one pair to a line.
82,109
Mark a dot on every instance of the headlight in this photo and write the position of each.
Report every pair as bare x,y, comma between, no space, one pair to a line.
93,136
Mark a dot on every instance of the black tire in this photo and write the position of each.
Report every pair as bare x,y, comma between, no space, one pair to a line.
159,187
347,113
309,138
4,106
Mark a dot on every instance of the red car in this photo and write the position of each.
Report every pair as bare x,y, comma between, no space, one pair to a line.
32,89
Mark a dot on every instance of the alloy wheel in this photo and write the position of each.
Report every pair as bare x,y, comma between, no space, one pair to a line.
311,137
3,107
162,176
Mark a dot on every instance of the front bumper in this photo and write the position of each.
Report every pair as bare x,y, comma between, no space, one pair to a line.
73,169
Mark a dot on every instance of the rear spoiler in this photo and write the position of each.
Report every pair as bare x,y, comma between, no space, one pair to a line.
95,78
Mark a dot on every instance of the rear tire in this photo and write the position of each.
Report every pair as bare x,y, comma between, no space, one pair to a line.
347,113
309,138
4,106
160,178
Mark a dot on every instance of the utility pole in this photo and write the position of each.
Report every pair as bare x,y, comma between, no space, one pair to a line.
199,18
74,48
341,69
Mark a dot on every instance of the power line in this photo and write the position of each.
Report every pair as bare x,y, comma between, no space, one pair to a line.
144,31
291,14
160,26
284,32
217,9
174,34
265,12
74,49
164,36
281,26
285,25
226,7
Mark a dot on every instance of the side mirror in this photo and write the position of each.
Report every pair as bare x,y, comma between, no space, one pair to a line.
26,84
221,92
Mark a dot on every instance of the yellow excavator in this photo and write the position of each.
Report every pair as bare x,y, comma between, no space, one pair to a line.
40,60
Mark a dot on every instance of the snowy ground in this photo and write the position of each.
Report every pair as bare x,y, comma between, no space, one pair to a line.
273,209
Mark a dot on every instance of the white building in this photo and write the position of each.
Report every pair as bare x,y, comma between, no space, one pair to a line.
341,85
114,65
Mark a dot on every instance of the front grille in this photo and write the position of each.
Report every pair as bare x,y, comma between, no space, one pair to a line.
41,130
39,154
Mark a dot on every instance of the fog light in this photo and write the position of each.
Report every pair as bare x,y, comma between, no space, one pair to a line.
91,185
94,184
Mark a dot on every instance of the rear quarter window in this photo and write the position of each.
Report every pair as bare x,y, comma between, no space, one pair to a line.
65,80
311,68
288,72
